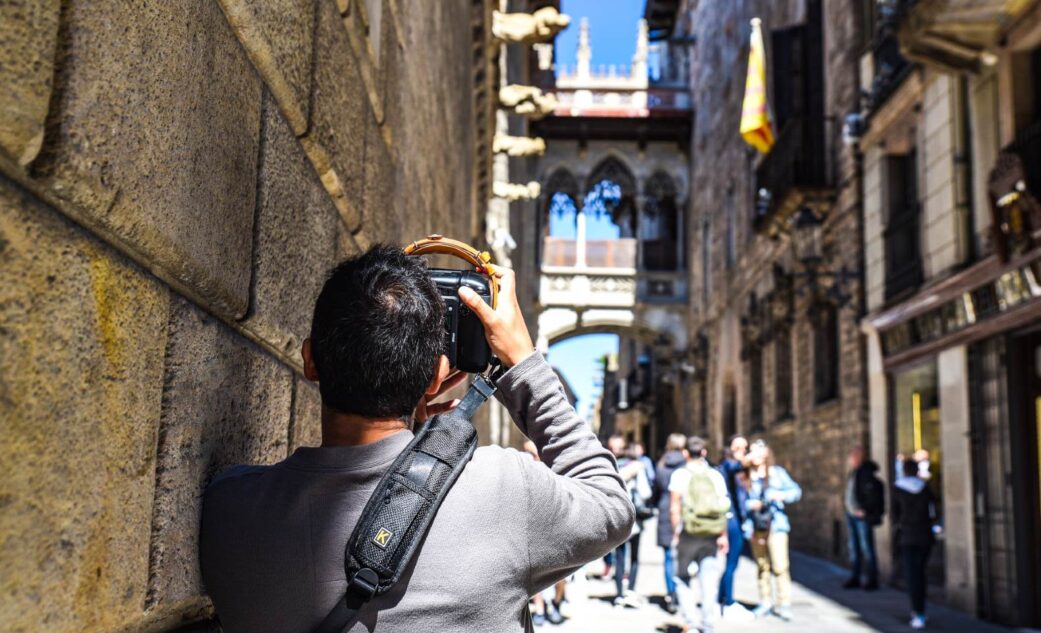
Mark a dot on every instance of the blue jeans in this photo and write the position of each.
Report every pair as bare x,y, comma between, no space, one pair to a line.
862,548
736,539
670,570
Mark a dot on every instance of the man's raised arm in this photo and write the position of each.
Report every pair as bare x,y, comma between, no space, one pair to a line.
578,508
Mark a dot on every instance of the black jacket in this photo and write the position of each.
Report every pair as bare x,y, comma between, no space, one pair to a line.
667,465
914,511
869,491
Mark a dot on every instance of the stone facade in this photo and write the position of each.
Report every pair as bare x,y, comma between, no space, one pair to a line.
735,251
174,183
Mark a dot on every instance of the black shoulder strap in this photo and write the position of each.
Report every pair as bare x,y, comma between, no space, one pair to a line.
401,509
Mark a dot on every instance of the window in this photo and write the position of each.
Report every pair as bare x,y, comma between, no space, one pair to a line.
658,226
903,252
783,374
826,353
755,369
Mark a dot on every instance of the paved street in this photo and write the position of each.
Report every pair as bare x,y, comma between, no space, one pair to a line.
819,603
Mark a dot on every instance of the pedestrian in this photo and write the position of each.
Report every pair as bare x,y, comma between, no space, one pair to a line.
771,489
627,555
273,537
864,500
916,521
698,508
639,453
733,463
674,457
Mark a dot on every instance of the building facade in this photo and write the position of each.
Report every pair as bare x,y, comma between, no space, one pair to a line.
775,350
175,181
951,139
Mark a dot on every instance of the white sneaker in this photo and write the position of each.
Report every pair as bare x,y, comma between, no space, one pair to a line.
917,622
737,613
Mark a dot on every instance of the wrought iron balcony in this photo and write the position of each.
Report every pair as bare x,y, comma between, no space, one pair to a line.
794,173
890,69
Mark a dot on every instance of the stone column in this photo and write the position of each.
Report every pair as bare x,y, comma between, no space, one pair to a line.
878,431
959,549
580,236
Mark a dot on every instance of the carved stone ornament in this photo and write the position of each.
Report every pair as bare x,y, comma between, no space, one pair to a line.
514,192
518,146
1015,211
528,28
527,100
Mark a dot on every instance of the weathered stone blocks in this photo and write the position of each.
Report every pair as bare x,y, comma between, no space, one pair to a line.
297,231
279,39
335,142
154,133
82,335
307,415
28,34
225,402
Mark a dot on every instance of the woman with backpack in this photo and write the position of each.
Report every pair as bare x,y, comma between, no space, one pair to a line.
771,489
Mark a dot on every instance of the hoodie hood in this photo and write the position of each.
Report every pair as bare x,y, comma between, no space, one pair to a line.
870,466
673,459
912,484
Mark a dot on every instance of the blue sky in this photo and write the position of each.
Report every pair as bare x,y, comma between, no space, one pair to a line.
612,30
579,360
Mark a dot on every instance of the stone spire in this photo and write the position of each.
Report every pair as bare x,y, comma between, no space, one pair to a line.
585,52
639,67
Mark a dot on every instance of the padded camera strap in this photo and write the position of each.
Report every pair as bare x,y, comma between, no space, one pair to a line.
401,509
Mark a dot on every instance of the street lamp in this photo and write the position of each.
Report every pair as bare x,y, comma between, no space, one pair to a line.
807,242
806,238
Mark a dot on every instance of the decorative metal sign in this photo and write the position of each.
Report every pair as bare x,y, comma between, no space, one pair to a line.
986,301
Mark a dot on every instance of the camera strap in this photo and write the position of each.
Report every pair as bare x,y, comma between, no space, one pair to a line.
399,512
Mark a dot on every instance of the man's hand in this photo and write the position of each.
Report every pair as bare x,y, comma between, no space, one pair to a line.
860,514
755,504
425,410
504,326
723,543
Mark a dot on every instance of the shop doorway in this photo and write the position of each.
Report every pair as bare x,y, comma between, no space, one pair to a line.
1024,382
916,429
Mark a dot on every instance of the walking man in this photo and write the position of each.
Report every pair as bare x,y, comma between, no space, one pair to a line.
865,502
699,509
674,458
627,555
731,466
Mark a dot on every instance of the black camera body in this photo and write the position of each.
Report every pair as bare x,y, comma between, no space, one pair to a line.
467,347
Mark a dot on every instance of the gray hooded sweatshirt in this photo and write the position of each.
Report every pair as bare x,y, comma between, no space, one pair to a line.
272,538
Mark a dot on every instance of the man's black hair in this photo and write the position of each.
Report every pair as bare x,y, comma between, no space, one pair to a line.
696,446
377,334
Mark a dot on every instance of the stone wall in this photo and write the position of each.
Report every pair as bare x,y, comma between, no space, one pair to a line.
814,442
174,182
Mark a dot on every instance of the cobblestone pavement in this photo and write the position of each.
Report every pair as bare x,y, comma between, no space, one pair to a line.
819,603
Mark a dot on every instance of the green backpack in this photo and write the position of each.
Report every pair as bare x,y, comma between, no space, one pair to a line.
704,512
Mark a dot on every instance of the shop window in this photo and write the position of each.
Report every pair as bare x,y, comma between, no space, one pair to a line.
826,353
755,369
783,375
902,243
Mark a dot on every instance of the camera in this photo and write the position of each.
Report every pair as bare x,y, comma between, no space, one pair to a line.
467,347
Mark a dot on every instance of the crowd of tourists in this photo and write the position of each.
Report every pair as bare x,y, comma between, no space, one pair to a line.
709,515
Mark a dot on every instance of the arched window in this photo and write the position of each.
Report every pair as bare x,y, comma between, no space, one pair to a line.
615,188
557,218
659,228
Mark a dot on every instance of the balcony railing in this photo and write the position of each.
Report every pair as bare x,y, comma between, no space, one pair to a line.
890,70
797,164
617,253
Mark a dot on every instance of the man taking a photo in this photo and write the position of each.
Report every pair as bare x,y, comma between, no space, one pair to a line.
273,537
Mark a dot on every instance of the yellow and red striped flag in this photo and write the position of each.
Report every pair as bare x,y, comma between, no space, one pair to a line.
757,127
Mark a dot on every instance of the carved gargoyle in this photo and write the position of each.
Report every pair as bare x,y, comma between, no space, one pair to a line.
514,192
528,28
518,146
527,100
